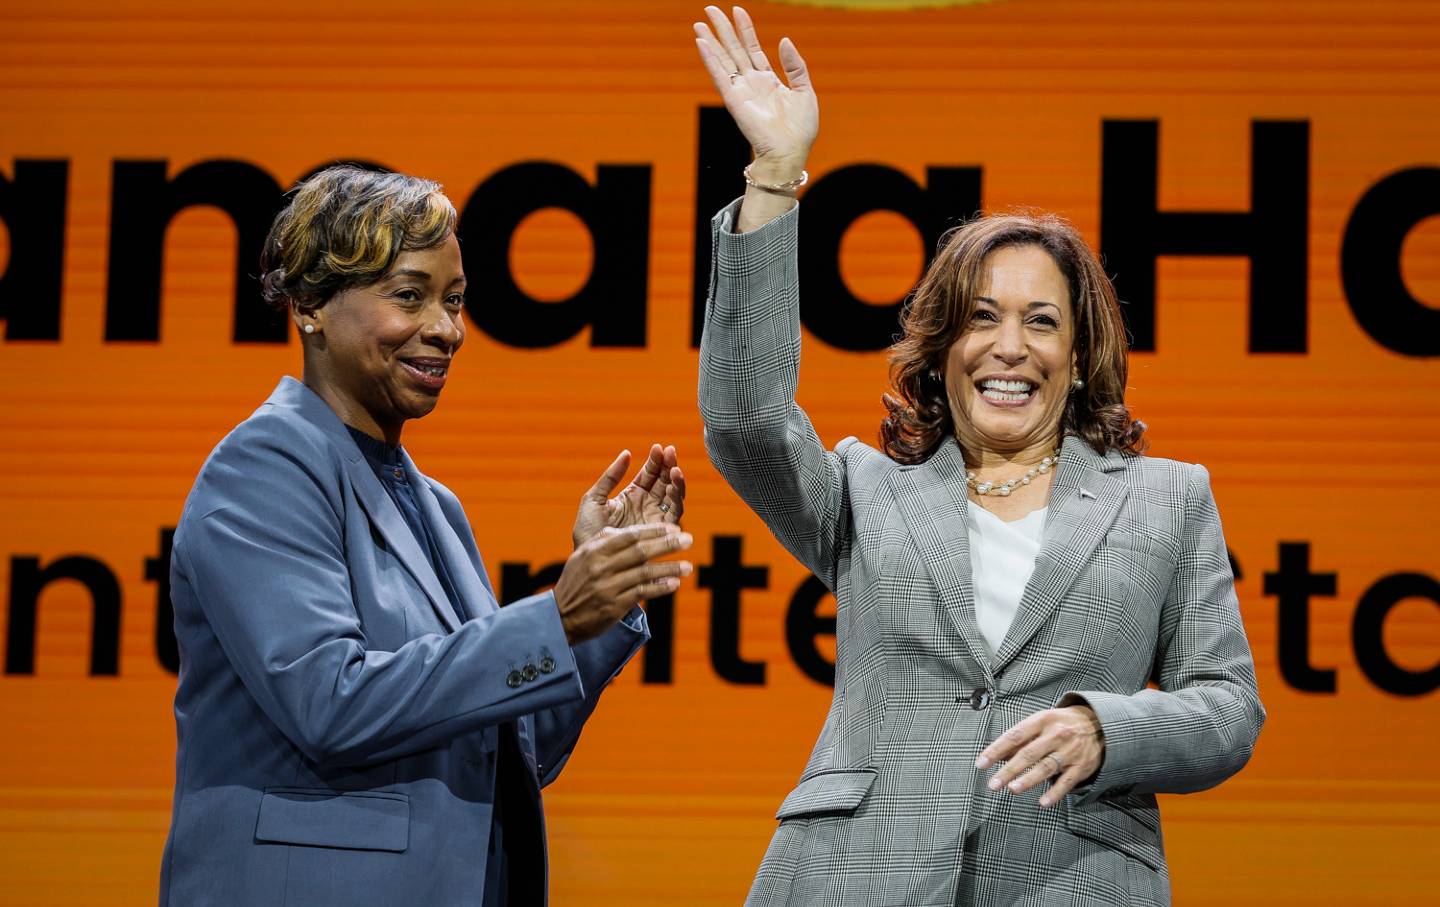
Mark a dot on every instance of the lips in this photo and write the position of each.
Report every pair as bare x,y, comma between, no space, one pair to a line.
429,373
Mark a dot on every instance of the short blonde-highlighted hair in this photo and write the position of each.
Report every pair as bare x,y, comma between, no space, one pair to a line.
344,227
939,311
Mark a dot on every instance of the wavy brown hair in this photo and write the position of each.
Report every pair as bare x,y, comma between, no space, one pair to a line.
940,309
344,227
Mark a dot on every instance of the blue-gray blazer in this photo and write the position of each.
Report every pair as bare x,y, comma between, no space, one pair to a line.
337,721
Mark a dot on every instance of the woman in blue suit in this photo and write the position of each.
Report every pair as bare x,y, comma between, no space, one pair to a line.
358,721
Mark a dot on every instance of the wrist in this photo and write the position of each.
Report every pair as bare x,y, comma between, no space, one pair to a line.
774,169
788,189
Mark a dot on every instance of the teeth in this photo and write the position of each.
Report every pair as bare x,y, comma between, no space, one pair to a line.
990,394
1012,387
434,371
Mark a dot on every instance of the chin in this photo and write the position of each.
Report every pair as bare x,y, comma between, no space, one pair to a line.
419,407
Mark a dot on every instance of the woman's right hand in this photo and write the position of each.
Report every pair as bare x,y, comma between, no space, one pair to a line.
779,121
605,577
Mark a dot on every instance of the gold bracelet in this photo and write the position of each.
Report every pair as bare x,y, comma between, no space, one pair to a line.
786,188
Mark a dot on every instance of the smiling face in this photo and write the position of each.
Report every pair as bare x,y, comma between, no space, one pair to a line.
1009,374
381,352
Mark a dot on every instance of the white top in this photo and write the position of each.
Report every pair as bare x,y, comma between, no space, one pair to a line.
1002,557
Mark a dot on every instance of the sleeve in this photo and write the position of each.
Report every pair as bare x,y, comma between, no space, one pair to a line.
555,731
1200,726
599,660
264,556
759,439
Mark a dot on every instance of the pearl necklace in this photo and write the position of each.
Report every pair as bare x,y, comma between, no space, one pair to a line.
1004,488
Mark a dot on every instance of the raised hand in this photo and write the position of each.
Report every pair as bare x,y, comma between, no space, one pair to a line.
779,119
655,495
608,575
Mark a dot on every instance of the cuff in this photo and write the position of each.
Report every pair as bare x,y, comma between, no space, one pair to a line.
1116,714
547,657
636,622
768,250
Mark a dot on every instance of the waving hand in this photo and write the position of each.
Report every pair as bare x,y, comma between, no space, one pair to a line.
779,118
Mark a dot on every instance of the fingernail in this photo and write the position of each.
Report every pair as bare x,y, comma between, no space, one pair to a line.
685,568
982,762
672,583
685,540
994,784
1045,801
1015,785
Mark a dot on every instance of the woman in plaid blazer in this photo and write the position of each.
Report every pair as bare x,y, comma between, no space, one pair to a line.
994,738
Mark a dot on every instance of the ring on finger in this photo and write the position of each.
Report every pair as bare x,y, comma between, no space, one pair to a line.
1053,757
664,508
734,76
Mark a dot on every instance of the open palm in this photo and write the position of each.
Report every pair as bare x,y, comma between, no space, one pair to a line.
779,120
655,495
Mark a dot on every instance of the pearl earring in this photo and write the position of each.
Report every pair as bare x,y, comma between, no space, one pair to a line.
1078,383
309,328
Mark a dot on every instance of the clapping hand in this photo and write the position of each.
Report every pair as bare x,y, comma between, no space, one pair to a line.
655,495
608,575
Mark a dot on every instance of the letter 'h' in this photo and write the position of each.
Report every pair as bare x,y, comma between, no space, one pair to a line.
1274,234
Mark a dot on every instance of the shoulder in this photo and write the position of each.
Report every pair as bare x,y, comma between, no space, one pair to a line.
857,455
275,451
273,437
866,466
1177,486
1158,472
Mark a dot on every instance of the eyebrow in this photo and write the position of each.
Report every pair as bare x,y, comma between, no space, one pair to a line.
422,275
1034,304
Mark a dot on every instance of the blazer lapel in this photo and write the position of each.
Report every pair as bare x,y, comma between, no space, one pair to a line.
474,593
1084,501
932,498
292,394
388,519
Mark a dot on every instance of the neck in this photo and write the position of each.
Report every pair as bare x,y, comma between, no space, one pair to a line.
983,457
350,411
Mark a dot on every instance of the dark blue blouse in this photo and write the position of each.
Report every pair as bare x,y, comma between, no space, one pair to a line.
389,468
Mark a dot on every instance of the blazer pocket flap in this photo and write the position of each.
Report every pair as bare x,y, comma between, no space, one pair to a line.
356,820
1117,829
831,792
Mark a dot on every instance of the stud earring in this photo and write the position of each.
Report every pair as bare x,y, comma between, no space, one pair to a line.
309,328
1078,383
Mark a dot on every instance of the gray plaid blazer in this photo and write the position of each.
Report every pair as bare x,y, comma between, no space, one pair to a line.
1132,587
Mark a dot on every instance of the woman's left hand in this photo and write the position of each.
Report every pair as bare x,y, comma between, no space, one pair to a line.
1064,745
655,495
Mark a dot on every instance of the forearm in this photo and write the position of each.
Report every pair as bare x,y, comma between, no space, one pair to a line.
1181,742
291,634
756,435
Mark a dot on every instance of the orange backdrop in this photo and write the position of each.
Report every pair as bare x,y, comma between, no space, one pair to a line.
670,796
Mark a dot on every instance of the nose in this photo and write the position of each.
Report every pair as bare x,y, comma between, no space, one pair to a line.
1009,346
444,329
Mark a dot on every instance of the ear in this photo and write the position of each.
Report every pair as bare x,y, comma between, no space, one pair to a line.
306,321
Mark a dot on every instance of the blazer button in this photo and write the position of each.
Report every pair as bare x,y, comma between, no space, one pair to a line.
980,699
547,665
530,672
513,679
